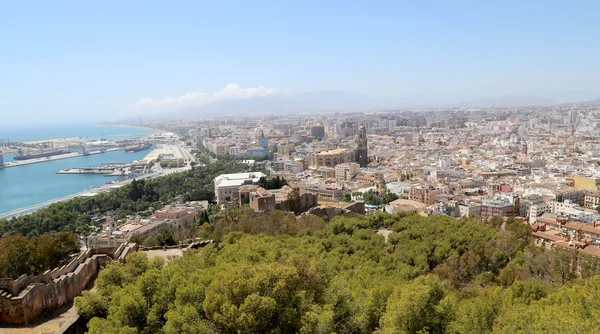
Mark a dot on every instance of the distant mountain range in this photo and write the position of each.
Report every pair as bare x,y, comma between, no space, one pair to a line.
506,101
336,101
594,101
329,101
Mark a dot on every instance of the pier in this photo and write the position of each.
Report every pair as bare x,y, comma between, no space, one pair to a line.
115,169
56,157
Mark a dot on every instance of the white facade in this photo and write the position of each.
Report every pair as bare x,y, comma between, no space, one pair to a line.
467,210
227,184
536,210
346,171
574,211
293,167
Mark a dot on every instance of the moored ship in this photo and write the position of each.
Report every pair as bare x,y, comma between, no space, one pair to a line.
42,154
138,148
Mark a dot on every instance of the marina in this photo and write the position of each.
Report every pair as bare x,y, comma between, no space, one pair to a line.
119,169
27,185
53,158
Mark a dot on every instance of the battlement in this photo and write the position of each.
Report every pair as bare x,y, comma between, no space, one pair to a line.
25,298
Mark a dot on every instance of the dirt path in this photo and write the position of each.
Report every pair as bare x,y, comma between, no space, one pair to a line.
384,233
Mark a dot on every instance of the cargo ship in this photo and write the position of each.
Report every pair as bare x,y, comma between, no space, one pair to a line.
22,156
138,148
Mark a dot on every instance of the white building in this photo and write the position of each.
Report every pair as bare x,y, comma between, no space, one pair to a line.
574,211
537,210
236,151
468,208
293,167
346,171
227,184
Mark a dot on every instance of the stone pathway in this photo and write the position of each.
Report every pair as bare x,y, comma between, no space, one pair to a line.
48,324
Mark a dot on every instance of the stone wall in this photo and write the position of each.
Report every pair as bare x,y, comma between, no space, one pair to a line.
24,299
332,211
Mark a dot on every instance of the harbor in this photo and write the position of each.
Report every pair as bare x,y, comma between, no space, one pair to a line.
26,185
169,152
33,152
112,169
36,172
52,158
59,180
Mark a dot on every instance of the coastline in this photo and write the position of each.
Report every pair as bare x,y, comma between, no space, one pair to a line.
86,193
35,186
131,126
152,155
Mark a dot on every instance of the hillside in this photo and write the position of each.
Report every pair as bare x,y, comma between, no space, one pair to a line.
280,274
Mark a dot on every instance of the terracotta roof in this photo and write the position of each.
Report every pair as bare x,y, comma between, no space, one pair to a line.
548,236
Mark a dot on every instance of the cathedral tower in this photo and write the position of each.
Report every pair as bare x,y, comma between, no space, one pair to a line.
361,147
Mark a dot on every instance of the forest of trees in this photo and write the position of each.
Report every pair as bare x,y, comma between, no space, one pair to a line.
21,255
281,274
141,195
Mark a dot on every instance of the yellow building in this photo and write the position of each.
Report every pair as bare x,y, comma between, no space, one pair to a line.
332,157
581,182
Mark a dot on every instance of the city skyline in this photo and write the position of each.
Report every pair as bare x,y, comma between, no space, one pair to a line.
103,62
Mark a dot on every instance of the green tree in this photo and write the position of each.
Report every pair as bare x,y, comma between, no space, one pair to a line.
413,308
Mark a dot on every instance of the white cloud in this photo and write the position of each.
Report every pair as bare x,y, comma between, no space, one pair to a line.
231,91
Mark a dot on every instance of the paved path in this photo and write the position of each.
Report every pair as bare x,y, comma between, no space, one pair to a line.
49,324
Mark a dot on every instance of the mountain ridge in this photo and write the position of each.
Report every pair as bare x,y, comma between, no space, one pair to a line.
338,101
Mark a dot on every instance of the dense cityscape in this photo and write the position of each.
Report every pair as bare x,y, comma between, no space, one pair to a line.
515,181
313,167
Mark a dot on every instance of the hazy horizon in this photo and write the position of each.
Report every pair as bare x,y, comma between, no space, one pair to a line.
79,62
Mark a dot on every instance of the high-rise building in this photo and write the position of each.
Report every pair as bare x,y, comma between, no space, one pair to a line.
347,129
318,131
362,157
573,116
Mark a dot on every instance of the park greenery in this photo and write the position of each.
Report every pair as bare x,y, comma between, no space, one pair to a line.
34,244
162,239
271,183
21,255
277,273
77,215
372,197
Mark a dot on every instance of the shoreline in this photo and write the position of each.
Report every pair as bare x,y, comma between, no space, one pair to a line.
131,126
96,190
86,193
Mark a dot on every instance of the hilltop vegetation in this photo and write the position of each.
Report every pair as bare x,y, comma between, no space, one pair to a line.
76,215
435,274
21,255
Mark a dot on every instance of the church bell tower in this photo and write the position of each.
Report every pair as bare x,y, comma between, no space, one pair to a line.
361,147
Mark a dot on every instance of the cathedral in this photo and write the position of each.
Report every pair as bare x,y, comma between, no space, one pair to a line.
333,157
361,152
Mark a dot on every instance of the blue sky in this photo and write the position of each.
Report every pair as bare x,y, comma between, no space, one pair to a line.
65,60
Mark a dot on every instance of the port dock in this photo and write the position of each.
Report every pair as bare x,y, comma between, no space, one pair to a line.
116,169
55,157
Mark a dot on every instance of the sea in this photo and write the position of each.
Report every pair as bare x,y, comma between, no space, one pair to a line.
27,185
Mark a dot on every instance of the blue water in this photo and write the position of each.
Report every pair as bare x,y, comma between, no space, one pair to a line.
19,133
28,185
